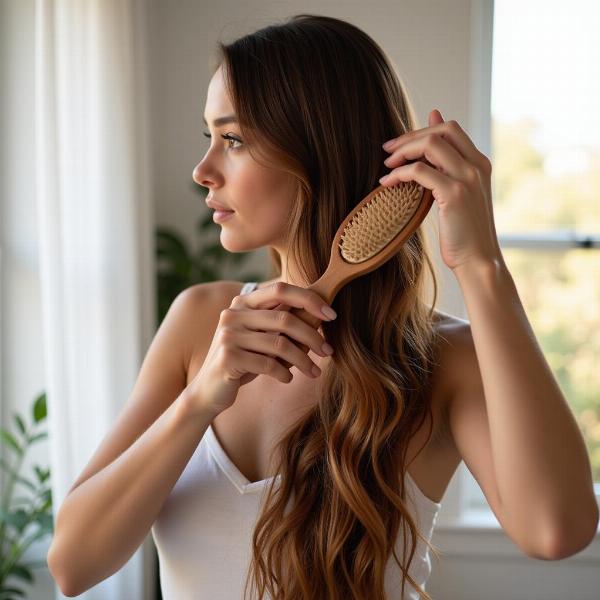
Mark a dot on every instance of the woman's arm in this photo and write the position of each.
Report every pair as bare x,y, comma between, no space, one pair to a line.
541,462
103,521
538,456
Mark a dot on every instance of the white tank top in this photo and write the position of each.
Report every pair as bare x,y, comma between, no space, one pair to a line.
204,530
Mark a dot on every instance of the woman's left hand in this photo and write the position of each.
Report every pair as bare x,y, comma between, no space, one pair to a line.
460,184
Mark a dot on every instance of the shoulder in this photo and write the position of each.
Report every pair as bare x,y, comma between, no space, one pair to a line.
199,307
211,292
454,356
454,339
457,349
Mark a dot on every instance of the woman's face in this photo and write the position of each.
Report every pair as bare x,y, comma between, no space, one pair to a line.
260,197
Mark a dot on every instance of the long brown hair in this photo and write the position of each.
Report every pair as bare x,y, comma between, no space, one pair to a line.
316,97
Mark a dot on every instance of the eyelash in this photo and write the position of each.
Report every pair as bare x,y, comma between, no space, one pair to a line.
225,136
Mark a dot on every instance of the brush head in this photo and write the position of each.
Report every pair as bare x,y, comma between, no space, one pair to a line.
379,221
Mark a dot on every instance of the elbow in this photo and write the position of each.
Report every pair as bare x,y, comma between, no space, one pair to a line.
56,566
574,537
67,591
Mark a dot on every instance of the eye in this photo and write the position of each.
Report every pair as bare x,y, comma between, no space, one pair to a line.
227,137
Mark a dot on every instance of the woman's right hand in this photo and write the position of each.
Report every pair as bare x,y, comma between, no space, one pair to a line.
247,343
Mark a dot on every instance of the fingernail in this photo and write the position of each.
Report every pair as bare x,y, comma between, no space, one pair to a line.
327,348
328,312
384,179
315,370
388,144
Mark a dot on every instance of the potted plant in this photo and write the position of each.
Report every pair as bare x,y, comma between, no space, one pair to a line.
23,519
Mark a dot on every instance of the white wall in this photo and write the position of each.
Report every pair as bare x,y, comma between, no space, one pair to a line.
435,47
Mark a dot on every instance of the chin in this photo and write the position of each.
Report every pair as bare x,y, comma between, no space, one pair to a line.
233,243
233,247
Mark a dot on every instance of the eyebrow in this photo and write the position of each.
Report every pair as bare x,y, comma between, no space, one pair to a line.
222,120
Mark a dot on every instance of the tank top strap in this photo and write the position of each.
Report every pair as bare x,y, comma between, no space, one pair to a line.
248,287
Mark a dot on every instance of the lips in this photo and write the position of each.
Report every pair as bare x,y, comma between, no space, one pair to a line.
216,206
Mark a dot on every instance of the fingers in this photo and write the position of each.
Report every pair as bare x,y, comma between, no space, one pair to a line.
283,293
436,150
451,132
265,365
426,176
279,346
259,329
287,323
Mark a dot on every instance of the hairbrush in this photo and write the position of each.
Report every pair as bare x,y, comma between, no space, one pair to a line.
370,235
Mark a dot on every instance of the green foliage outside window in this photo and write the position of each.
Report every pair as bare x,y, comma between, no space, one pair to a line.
560,289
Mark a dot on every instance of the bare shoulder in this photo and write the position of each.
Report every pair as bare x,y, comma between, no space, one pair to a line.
213,291
205,302
457,350
454,343
212,297
454,334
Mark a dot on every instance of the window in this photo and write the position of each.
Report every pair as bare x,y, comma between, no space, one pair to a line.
546,189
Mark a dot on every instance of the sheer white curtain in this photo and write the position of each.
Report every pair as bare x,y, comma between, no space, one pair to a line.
95,227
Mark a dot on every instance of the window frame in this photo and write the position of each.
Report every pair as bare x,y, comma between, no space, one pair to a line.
459,511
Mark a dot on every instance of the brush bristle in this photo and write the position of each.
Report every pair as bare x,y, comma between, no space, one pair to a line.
380,221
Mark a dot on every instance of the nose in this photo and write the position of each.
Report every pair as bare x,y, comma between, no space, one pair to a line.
196,174
202,176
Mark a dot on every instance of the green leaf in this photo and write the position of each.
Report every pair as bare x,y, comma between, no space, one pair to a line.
39,408
44,520
170,244
20,424
42,507
9,439
173,258
26,482
22,572
47,504
8,593
42,474
38,436
18,519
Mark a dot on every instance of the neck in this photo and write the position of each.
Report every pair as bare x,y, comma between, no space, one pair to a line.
289,272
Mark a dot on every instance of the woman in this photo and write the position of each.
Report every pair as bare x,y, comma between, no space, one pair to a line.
261,480
314,99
